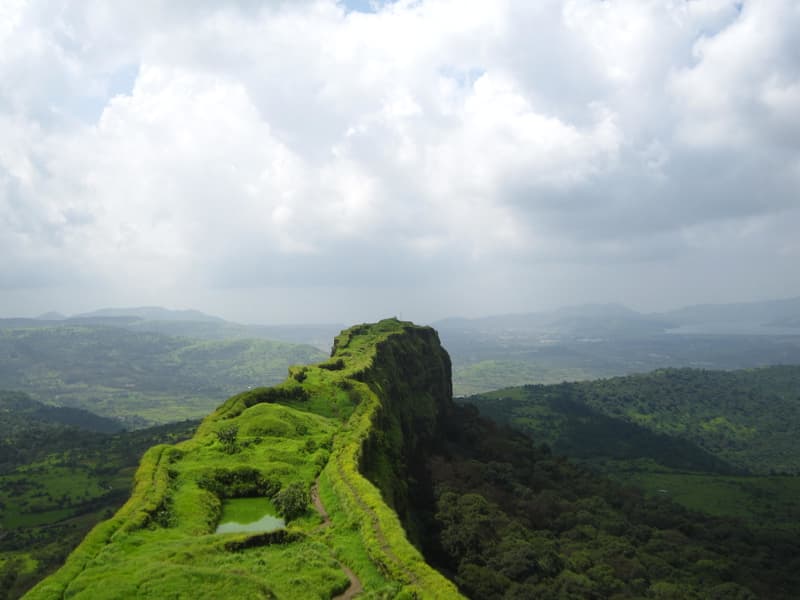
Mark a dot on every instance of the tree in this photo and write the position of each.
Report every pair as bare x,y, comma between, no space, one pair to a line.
292,501
227,437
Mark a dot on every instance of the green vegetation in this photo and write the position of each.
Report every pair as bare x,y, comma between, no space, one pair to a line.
499,352
513,521
138,377
747,418
494,374
323,422
765,502
382,479
58,480
712,441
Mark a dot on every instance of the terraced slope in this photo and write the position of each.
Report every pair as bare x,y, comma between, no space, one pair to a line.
349,425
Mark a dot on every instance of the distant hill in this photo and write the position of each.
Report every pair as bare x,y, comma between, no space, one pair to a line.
602,340
51,316
318,336
618,320
744,312
152,313
18,409
589,319
139,376
185,323
749,419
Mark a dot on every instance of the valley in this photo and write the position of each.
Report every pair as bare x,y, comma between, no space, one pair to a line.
360,473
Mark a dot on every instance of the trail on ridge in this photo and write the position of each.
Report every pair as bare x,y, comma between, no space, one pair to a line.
355,587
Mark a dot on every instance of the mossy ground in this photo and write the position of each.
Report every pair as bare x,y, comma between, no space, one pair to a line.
161,543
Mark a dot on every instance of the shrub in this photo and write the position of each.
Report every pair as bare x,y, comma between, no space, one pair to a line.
227,437
241,482
292,501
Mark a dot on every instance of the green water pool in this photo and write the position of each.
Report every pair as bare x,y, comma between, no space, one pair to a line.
249,515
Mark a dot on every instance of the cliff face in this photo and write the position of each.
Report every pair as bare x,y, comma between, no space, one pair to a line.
353,428
411,374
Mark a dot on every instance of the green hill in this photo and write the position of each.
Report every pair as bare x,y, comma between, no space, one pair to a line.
716,441
379,477
274,444
138,377
748,418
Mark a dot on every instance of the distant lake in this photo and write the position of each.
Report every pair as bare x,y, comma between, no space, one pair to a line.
249,515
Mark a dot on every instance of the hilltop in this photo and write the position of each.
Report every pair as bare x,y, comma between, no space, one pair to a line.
367,477
317,428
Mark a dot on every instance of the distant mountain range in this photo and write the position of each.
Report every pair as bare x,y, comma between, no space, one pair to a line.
588,320
767,313
186,323
602,320
152,313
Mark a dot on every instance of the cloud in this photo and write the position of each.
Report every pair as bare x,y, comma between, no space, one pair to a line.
177,146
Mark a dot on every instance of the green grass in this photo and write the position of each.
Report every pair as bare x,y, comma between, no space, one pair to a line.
764,502
139,377
161,543
487,375
40,494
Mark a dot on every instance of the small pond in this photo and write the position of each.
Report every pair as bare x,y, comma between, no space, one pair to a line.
248,515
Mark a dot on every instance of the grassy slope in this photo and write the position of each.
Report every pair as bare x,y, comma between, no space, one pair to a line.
315,424
769,502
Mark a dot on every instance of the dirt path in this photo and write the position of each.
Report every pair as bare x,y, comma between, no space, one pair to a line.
326,520
376,527
355,587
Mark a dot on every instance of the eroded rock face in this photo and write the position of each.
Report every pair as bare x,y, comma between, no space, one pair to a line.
411,375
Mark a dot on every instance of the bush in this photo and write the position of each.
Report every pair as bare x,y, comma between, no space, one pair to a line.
227,437
241,482
292,501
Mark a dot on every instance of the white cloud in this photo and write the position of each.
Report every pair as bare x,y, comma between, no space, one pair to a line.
174,146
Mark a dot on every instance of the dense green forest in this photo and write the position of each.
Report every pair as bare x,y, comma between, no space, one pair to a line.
141,378
716,441
749,418
62,470
507,519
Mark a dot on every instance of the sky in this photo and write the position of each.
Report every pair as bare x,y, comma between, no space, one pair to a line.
321,161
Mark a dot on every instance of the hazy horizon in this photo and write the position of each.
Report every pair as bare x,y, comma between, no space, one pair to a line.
314,161
92,309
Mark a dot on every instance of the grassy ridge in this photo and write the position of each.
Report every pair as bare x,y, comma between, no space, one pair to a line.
265,442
